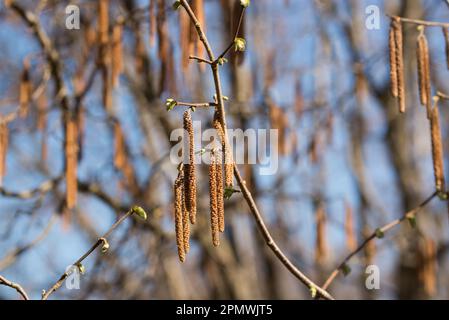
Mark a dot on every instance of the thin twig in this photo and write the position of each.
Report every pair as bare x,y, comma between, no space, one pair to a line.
16,286
374,235
195,105
99,242
200,59
237,30
442,95
421,22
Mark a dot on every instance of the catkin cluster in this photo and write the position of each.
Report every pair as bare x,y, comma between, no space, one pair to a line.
425,90
185,192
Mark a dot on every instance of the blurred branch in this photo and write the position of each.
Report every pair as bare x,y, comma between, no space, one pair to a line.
28,194
18,287
101,241
377,234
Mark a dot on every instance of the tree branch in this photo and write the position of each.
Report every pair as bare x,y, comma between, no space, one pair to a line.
100,241
16,286
374,235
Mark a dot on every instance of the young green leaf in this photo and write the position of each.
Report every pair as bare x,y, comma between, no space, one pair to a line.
140,212
170,104
239,44
228,192
346,270
245,3
313,292
176,5
379,233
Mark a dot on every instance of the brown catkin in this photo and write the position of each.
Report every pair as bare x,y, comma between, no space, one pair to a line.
179,217
25,90
213,200
423,62
119,147
220,194
428,268
393,61
185,222
103,21
398,40
71,150
351,241
4,142
446,40
152,24
117,54
320,246
190,173
437,147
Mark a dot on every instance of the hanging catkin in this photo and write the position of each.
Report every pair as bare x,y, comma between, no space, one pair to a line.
119,147
446,40
71,150
351,242
220,193
4,142
424,70
320,245
227,153
179,216
437,147
152,17
428,268
117,54
393,61
25,90
185,220
190,174
213,199
399,50
103,21
184,40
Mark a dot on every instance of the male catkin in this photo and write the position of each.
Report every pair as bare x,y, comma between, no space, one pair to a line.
190,174
398,39
178,207
4,142
393,61
437,147
25,90
117,54
423,63
71,155
220,194
213,200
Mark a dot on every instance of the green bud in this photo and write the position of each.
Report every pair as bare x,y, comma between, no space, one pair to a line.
225,98
140,212
239,44
245,3
379,233
222,61
444,196
228,192
345,269
170,104
313,292
412,220
81,268
176,5
105,246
